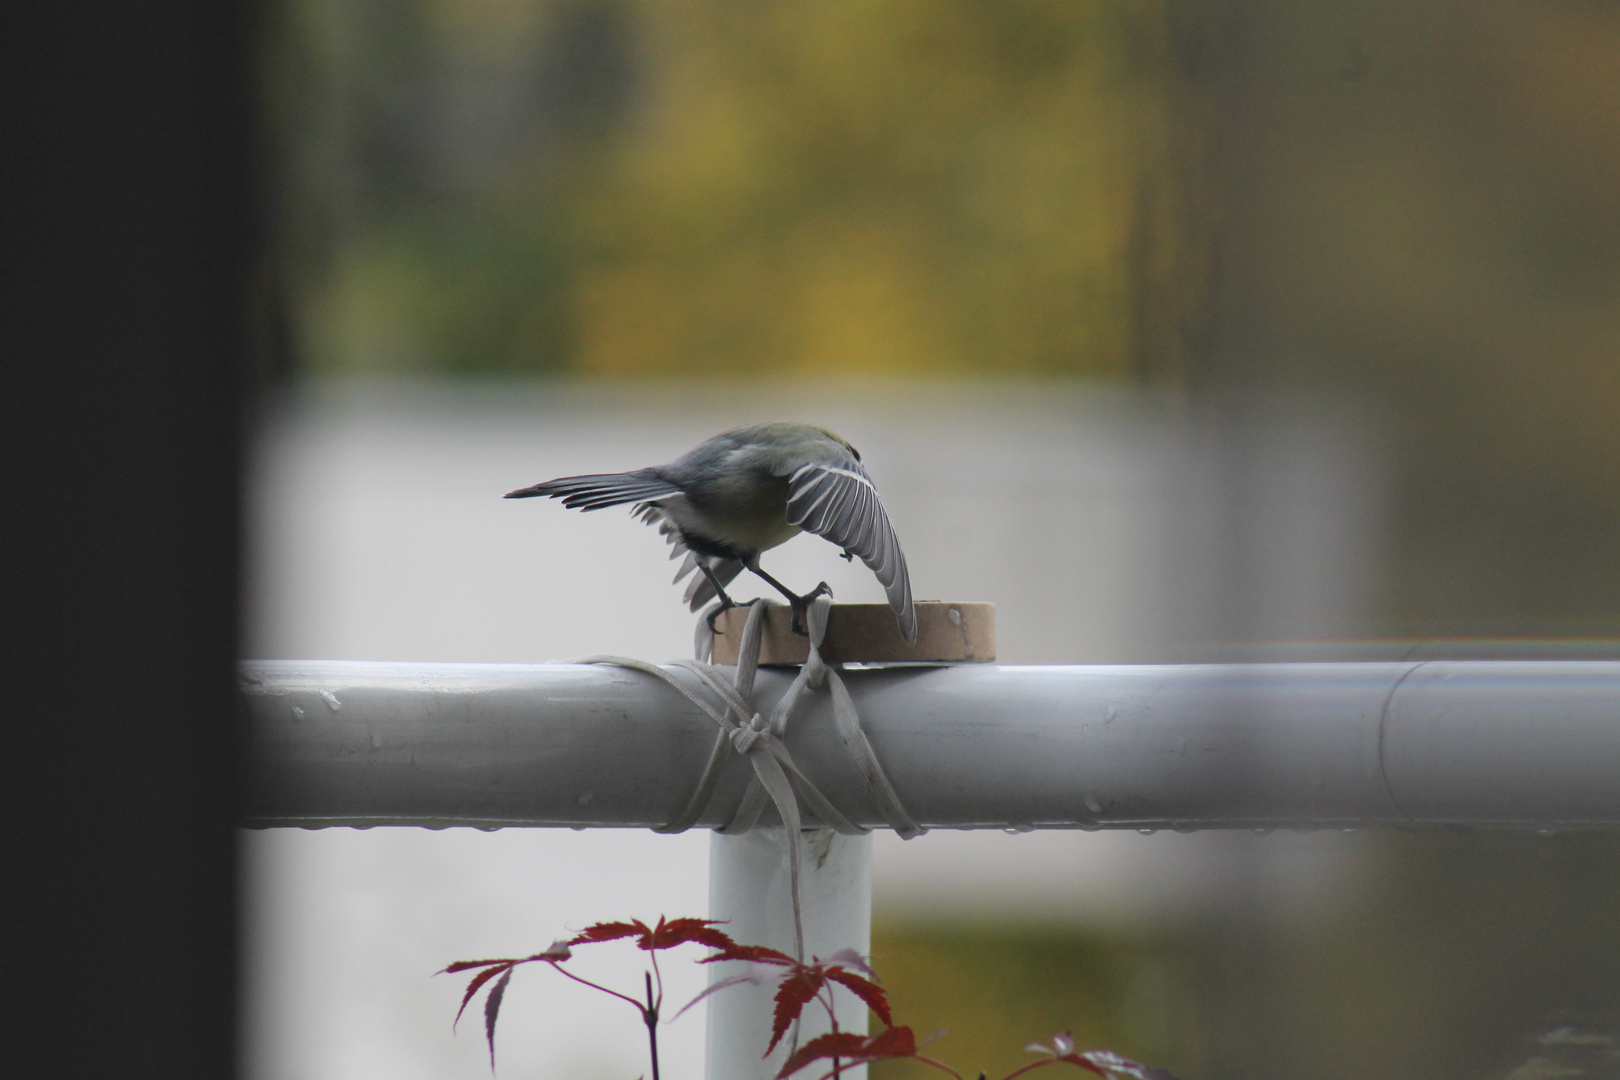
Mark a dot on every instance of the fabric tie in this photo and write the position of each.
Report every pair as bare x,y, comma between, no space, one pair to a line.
758,740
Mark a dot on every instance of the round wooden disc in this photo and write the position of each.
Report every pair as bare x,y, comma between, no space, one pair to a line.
947,633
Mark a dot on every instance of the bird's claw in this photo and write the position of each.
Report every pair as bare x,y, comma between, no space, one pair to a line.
725,607
803,605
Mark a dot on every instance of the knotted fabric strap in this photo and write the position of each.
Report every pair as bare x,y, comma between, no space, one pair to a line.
814,674
759,741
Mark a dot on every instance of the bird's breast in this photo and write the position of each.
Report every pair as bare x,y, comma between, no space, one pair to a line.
762,535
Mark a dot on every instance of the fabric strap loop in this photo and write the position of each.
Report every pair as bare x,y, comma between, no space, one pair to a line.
759,741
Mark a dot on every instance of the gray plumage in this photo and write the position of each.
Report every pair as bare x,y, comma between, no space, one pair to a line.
746,491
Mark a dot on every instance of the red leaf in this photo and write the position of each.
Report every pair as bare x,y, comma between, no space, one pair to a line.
842,1044
851,959
556,952
492,1009
611,931
796,991
895,1042
723,984
1106,1062
757,953
892,1043
680,931
479,980
865,989
1103,1062
464,965
668,933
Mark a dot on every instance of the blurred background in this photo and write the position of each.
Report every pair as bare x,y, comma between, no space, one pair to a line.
1181,331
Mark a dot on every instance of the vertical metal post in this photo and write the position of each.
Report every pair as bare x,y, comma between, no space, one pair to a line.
749,888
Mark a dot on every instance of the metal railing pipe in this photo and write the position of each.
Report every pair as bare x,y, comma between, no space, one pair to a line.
1293,745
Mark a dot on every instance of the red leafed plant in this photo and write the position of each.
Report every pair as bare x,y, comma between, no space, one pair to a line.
802,983
650,939
798,984
1104,1063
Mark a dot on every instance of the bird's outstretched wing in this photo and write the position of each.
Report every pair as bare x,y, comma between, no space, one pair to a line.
700,590
836,501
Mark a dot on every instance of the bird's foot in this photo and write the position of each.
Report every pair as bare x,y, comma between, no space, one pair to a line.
726,604
801,606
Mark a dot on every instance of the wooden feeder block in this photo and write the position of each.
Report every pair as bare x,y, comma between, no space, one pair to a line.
868,634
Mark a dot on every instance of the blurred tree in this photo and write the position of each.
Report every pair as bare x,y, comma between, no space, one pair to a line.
1421,210
692,186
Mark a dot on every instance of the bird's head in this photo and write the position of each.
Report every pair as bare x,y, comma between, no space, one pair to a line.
841,441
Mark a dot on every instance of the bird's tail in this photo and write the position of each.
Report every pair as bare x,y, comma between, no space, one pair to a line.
601,490
700,590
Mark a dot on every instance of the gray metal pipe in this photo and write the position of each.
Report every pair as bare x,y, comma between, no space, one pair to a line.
1296,745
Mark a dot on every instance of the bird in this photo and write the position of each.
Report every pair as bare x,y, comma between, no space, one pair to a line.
745,491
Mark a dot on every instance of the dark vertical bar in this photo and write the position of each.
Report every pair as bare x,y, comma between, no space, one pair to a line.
128,236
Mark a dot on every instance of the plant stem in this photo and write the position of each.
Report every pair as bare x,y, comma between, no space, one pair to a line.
658,976
594,986
649,1016
940,1065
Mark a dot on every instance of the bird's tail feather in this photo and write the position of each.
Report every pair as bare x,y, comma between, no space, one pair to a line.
601,490
700,590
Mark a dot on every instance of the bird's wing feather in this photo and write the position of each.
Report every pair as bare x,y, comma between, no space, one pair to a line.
836,500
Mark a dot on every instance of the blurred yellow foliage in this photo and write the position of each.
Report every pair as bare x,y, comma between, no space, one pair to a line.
899,187
844,186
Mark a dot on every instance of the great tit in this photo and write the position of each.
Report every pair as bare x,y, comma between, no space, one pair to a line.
744,492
